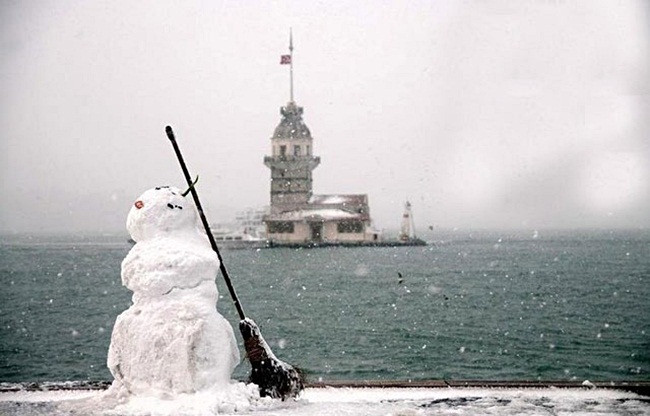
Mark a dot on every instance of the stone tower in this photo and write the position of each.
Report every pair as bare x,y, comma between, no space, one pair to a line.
291,162
297,216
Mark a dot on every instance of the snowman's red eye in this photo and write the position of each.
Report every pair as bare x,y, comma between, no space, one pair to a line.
139,204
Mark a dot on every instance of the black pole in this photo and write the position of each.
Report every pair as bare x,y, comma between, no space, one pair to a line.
195,195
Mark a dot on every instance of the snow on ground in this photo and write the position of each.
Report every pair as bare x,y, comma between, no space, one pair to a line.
357,401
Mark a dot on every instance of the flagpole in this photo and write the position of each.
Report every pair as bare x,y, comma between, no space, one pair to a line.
291,62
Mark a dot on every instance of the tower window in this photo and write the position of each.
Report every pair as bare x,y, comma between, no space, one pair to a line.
280,227
308,150
350,227
296,150
283,150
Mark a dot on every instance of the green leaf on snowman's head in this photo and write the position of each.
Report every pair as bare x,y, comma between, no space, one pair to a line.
191,186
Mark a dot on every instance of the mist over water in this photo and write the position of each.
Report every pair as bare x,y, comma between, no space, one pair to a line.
489,305
531,114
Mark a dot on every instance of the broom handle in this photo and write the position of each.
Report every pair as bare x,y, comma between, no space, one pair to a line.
195,195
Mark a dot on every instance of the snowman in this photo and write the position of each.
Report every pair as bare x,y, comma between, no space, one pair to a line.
171,340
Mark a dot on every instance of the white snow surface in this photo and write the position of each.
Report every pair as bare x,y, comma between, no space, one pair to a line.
326,214
344,401
171,342
330,199
150,216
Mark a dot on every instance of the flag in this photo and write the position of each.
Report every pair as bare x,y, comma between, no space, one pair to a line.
285,59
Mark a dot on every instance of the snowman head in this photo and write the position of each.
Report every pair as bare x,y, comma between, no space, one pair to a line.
160,211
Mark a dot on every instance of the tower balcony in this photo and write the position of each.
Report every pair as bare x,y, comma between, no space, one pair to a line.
291,162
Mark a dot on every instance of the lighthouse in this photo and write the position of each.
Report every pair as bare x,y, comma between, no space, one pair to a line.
291,161
297,216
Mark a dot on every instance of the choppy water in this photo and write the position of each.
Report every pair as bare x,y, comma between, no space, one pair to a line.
565,305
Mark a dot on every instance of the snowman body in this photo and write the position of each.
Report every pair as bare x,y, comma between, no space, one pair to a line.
172,339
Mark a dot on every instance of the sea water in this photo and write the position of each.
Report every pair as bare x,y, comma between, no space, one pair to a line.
562,305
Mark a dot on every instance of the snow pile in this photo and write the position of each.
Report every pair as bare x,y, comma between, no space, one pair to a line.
229,399
172,343
356,401
471,401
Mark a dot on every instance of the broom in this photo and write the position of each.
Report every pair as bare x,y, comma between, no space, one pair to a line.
274,377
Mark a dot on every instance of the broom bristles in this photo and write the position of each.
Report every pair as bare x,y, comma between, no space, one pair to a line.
274,377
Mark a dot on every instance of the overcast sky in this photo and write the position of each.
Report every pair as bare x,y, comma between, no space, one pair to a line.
525,114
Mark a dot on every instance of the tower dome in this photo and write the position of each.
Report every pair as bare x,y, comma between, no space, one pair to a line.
291,125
